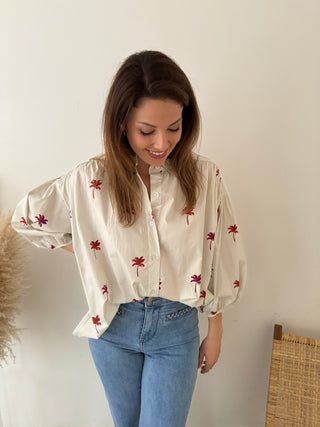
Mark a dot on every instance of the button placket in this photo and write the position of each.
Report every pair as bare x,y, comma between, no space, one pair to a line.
154,247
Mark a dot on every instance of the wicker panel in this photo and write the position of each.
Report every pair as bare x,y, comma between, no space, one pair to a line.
294,388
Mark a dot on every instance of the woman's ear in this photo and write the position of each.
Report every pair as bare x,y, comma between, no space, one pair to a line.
123,127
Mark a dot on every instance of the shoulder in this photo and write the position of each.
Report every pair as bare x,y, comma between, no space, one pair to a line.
88,168
206,165
92,169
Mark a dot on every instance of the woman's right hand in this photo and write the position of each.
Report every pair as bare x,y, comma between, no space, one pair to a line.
68,248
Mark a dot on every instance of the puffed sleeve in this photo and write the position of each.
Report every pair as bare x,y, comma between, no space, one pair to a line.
43,215
228,270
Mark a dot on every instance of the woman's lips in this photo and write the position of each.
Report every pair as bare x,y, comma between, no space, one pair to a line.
153,154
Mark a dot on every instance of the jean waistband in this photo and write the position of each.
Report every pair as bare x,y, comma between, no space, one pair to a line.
154,301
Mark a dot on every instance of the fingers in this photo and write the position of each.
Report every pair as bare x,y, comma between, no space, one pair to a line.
201,357
208,356
206,367
204,364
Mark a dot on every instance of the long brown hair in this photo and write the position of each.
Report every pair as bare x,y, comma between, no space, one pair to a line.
150,74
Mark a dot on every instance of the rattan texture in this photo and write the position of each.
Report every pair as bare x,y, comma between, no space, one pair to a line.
294,398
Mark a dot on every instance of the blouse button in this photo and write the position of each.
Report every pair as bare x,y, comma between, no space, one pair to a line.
152,292
155,194
152,223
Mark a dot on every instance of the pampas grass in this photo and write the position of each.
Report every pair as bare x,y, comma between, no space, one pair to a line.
12,290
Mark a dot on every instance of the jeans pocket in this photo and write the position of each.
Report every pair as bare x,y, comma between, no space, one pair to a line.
178,314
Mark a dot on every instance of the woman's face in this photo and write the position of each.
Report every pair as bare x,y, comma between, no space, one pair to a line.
153,129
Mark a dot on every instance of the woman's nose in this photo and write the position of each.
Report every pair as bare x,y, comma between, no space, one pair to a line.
161,142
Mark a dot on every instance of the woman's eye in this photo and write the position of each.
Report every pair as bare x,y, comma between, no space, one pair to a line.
146,133
174,130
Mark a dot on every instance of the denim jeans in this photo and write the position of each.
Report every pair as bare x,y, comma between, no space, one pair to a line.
148,362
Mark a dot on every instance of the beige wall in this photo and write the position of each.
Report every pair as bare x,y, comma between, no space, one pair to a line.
255,68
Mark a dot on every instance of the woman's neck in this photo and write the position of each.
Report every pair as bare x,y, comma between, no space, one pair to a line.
142,168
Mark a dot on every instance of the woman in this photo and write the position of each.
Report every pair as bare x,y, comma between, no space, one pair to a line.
155,239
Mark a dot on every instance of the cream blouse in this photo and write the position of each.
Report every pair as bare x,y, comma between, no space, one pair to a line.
195,258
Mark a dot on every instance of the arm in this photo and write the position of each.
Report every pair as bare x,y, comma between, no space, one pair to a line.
42,216
68,248
211,346
227,281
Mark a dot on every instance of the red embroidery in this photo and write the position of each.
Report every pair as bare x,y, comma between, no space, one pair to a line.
190,213
197,281
236,283
95,184
138,262
95,246
233,229
41,220
23,221
203,295
210,236
96,321
105,290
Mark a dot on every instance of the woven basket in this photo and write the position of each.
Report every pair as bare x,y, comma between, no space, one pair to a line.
294,387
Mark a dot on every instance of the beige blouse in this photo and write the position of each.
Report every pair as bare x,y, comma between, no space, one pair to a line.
196,258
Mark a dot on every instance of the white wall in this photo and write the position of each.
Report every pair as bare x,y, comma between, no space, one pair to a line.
255,68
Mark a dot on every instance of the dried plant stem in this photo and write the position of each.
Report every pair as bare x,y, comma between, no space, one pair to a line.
12,286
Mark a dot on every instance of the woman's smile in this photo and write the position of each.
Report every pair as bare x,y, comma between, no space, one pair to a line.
153,130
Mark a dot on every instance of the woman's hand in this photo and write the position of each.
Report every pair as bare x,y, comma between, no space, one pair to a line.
210,347
68,248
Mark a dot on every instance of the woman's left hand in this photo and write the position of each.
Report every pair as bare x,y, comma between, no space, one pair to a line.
210,347
209,352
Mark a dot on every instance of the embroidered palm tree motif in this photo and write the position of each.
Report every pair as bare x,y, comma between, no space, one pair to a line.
134,300
52,247
41,220
218,211
95,184
233,229
203,295
105,290
160,283
217,172
236,283
23,221
190,213
96,321
197,281
213,313
95,246
138,262
210,236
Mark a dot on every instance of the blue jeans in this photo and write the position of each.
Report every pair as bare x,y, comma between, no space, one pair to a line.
148,362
